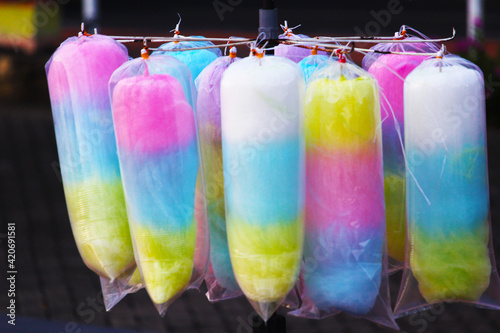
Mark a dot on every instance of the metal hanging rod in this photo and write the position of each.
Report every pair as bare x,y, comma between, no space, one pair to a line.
325,39
177,39
197,48
321,39
353,48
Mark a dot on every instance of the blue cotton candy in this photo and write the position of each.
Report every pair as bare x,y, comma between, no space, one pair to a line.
457,200
196,60
163,187
88,149
343,271
219,254
215,50
266,167
311,63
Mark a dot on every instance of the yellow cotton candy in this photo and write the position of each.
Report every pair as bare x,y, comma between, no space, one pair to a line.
165,259
135,279
395,215
100,226
352,120
213,176
265,259
451,267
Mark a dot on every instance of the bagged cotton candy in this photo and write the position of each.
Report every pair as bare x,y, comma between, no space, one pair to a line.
262,142
390,70
344,265
311,63
153,112
196,60
78,74
450,252
220,279
294,53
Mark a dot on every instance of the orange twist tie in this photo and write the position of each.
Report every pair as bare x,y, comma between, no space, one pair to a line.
257,53
403,36
145,53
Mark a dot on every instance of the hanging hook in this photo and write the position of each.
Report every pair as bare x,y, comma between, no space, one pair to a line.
176,31
82,30
260,38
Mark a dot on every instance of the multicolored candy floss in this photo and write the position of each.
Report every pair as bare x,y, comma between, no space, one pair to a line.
220,279
344,266
262,142
447,188
78,74
196,60
157,147
390,71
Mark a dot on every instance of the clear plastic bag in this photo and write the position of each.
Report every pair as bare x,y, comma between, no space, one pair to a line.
153,113
262,142
220,279
196,60
345,263
294,53
311,63
449,252
390,70
78,74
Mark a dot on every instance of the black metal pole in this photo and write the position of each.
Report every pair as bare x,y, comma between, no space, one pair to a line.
91,14
275,324
268,4
268,20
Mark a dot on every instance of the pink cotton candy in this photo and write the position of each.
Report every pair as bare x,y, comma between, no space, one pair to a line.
390,70
151,114
81,60
343,188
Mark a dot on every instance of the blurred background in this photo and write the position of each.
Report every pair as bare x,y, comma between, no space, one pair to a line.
56,293
31,30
